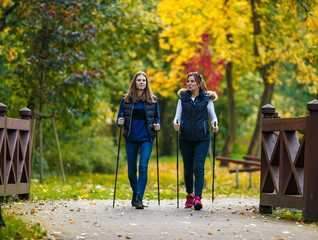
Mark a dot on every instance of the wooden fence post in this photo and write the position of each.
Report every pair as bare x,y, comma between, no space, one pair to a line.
310,212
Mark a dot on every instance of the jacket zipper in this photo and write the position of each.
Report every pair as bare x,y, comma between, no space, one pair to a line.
130,120
204,128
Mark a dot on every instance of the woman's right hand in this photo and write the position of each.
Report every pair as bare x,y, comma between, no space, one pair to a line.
176,126
121,121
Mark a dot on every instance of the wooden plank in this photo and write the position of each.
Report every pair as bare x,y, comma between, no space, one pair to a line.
252,158
11,189
284,124
245,170
229,160
18,124
278,200
23,188
2,122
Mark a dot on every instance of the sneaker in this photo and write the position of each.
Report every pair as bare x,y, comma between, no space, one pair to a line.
134,200
139,204
197,203
190,201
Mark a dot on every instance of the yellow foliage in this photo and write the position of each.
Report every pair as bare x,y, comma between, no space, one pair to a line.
6,3
162,84
283,39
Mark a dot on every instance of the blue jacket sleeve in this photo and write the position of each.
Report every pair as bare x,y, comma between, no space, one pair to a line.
120,111
157,115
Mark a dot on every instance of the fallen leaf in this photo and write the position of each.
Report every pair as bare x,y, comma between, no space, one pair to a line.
92,203
72,222
127,237
210,233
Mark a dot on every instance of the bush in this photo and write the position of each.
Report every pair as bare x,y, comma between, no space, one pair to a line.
84,154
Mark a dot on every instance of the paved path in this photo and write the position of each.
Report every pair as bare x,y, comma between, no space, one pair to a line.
228,218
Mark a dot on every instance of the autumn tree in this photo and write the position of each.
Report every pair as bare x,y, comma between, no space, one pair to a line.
259,39
283,36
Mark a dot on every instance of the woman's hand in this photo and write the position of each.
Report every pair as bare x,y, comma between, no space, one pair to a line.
176,126
121,121
215,127
156,126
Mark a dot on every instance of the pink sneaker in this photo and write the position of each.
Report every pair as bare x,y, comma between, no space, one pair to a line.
197,203
190,201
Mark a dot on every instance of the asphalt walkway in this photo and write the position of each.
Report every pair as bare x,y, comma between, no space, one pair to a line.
226,218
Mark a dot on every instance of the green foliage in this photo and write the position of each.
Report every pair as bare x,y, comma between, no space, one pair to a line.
95,154
17,229
83,151
288,214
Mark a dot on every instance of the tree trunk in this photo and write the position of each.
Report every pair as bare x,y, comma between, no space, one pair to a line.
231,137
166,127
255,144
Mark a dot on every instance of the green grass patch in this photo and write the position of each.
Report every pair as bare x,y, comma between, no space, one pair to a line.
101,186
17,229
288,214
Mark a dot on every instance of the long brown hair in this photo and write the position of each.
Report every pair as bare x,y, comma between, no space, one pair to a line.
198,79
147,95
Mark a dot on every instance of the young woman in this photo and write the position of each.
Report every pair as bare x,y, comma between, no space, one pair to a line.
139,115
194,108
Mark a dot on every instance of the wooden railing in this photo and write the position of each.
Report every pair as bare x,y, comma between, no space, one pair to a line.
289,162
15,155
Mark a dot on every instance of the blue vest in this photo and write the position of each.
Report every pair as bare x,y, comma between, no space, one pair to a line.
150,117
195,120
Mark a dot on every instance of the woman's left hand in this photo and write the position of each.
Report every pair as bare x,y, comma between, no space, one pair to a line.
215,128
156,126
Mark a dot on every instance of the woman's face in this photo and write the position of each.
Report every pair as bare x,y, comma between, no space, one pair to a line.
192,84
141,82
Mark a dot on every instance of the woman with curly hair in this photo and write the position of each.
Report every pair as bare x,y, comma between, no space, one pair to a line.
194,108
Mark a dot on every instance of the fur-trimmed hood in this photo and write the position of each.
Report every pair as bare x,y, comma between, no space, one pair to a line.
212,95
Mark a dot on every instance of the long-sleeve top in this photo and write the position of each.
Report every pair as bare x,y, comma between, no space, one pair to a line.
210,107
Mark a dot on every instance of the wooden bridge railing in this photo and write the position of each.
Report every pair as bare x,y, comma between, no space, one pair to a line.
15,155
289,162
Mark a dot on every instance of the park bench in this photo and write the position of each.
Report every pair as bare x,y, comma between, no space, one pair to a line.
253,162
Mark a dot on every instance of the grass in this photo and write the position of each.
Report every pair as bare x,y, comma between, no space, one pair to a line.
288,214
101,186
17,229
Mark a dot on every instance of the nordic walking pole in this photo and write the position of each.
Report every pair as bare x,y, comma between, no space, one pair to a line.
214,134
117,163
177,167
157,168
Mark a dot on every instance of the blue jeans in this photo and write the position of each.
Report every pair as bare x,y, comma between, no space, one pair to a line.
138,185
194,155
